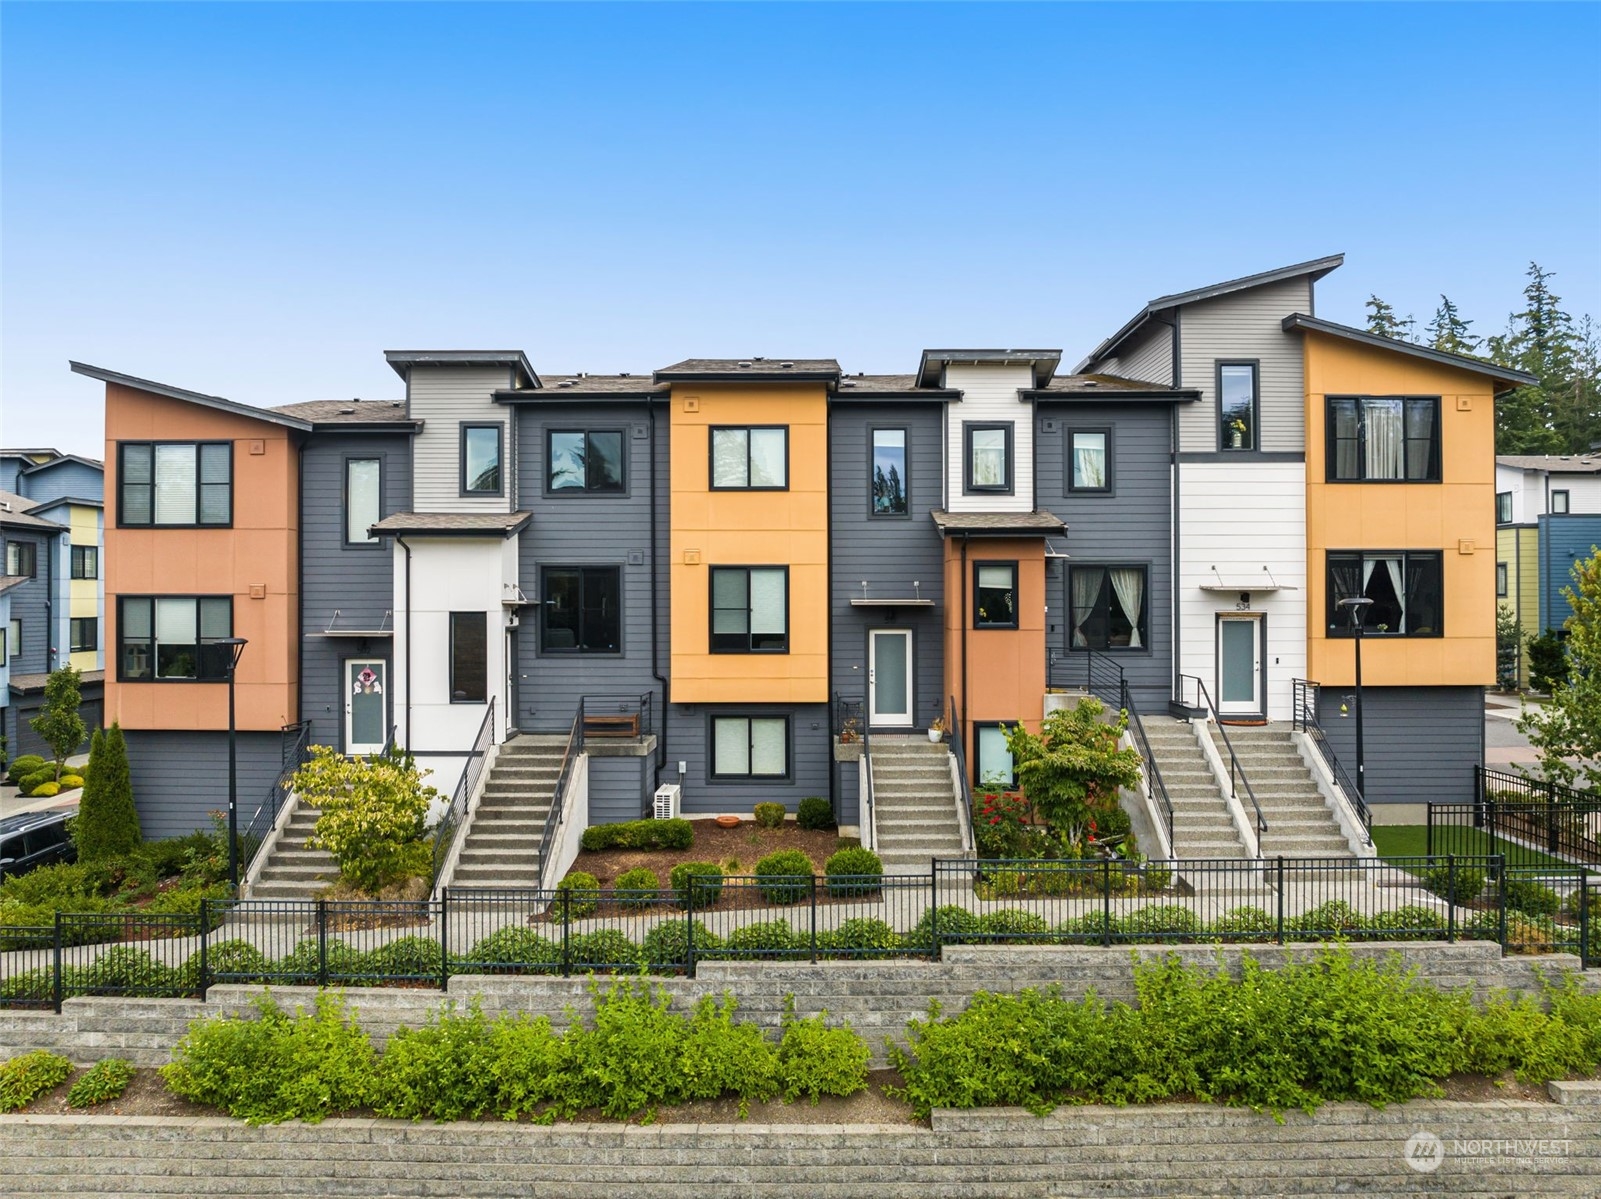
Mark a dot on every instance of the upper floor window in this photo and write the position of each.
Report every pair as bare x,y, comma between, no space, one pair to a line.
995,595
1089,455
1406,586
1559,503
1503,507
988,454
1237,404
750,458
173,638
14,638
584,460
86,561
175,484
22,559
1393,439
581,610
85,633
469,657
890,495
5,647
1108,606
364,484
750,609
480,459
1501,579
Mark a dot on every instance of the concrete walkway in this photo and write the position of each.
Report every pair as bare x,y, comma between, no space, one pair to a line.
12,802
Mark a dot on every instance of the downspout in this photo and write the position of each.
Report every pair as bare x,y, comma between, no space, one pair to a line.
967,717
1174,541
52,650
409,647
300,587
1517,596
655,606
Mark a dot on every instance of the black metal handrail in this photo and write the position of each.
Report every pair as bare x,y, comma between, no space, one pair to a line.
264,819
569,759
869,810
610,716
849,714
1153,772
956,734
1236,771
448,830
1304,719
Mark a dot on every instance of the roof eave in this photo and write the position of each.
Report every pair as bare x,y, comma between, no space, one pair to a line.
185,396
401,361
1186,395
559,395
780,376
935,360
1301,322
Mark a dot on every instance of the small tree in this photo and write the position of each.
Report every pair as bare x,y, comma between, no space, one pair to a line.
1509,638
1074,766
1548,660
108,821
58,722
374,815
1567,730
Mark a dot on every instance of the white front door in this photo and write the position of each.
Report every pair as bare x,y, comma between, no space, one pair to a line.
366,705
1239,666
889,678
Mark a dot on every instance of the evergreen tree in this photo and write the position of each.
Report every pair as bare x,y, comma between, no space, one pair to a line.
1558,414
108,822
58,723
1382,319
1567,731
1449,330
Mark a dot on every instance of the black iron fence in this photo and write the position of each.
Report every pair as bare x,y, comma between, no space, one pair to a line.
801,917
1529,822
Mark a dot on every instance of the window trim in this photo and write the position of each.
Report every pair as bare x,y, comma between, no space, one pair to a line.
1069,487
969,427
1507,496
1436,442
1067,607
1567,502
906,475
462,429
93,624
1502,580
711,607
152,523
122,624
450,682
621,490
374,543
1340,630
14,651
77,552
711,458
1012,564
24,549
1256,404
713,778
978,779
544,592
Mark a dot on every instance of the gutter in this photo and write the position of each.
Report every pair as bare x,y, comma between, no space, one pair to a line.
401,541
655,606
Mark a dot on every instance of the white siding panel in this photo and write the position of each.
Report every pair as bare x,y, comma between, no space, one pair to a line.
1531,489
442,397
1245,324
1148,356
1240,517
990,394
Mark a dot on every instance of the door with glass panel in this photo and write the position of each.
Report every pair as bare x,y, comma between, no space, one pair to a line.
1239,666
889,677
365,705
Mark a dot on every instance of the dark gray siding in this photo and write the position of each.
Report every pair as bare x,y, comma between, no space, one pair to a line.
355,581
889,554
30,605
617,789
16,720
64,479
1420,743
179,778
689,731
1131,525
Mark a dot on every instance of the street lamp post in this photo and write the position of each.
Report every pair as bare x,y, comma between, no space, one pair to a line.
1357,607
235,647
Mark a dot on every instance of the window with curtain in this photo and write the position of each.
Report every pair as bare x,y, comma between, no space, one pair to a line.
1237,406
988,449
1089,460
750,747
1503,507
581,610
584,460
1107,607
750,610
890,495
469,657
750,458
22,559
1406,587
363,499
1393,439
992,759
995,595
173,638
175,484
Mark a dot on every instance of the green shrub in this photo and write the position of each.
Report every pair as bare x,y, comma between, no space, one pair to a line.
955,925
22,766
816,1060
641,880
444,1069
101,1083
234,961
582,894
1008,924
1245,924
862,937
706,879
407,957
29,783
123,969
606,949
815,812
46,790
720,1057
854,870
1332,919
185,901
1530,897
1410,922
784,876
1469,882
1516,1033
23,1079
1155,921
68,782
639,834
512,948
666,947
628,1060
1095,926
1154,877
373,815
304,962
769,815
108,821
526,1060
766,938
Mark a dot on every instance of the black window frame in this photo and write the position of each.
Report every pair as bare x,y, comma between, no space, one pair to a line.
77,623
1256,404
713,776
906,473
969,427
367,543
586,432
978,758
121,649
461,695
1502,581
1072,488
1010,564
1567,502
582,570
712,609
5,646
14,651
123,486
78,554
1505,507
1144,629
1338,623
1331,457
711,458
465,427
26,551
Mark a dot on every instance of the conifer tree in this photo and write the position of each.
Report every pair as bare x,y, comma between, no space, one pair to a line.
1450,332
108,821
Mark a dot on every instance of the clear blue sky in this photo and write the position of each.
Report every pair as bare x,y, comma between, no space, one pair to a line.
257,201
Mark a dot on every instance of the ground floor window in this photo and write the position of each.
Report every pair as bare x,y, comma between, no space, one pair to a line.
469,658
174,638
581,610
991,757
1108,606
750,747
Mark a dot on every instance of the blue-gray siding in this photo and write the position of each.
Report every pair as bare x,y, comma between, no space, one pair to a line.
17,716
30,603
1420,744
1564,542
179,778
62,480
618,788
1130,526
689,733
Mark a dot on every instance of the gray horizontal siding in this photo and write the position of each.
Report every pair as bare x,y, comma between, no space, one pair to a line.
444,397
179,778
1420,744
30,604
66,479
1148,356
689,732
16,721
617,789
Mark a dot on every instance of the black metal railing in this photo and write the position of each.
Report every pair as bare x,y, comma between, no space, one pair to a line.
956,734
558,798
1086,670
1237,779
849,715
869,816
448,830
263,819
609,717
1304,719
1153,772
1532,823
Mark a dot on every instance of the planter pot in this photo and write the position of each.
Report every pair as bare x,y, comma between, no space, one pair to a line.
728,821
936,735
1236,441
847,751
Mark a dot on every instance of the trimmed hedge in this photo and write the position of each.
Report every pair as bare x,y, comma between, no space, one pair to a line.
785,876
639,834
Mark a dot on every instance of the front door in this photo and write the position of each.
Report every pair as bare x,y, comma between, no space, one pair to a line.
889,678
366,705
1239,666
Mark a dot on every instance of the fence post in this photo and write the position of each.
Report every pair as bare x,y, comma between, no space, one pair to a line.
933,911
322,942
1450,898
689,925
1584,917
1428,824
1106,894
444,939
1551,840
1489,820
566,931
1281,897
55,985
1500,892
203,982
1478,796
814,918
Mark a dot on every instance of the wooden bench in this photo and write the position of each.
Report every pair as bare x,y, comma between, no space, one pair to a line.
611,726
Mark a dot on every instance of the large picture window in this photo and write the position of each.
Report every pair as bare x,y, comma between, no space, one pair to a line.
755,458
1237,405
993,757
469,658
175,484
1384,439
995,595
1406,587
581,610
890,494
750,747
174,638
1108,606
988,453
364,482
86,561
480,459
22,559
584,460
750,610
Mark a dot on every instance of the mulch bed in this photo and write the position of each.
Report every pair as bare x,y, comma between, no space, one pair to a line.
736,850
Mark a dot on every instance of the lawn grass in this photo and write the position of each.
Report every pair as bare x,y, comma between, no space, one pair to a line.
1412,840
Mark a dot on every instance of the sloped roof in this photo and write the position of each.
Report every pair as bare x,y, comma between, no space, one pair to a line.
755,369
998,524
1301,322
15,512
271,416
452,524
1556,464
349,412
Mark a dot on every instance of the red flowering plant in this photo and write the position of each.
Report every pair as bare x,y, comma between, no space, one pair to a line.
1004,827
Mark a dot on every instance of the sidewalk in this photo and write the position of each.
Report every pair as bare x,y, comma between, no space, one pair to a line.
12,802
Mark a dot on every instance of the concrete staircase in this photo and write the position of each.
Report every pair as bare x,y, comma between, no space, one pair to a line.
501,844
914,802
1299,822
1202,826
292,871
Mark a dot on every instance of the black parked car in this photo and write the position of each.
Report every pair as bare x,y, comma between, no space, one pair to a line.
35,839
